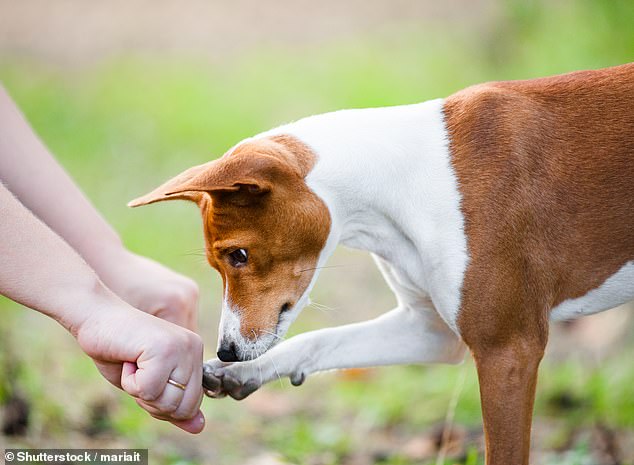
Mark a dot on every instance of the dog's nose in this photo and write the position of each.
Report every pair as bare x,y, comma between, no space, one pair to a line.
228,354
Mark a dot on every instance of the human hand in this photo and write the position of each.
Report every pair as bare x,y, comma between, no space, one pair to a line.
149,286
139,353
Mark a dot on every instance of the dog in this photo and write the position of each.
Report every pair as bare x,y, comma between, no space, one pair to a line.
489,212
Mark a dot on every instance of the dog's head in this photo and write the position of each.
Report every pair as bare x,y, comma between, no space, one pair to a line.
264,233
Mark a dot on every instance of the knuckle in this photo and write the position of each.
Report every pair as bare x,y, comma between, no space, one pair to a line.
130,389
175,301
148,394
192,343
181,348
148,389
159,417
191,290
183,297
169,408
196,344
185,413
169,347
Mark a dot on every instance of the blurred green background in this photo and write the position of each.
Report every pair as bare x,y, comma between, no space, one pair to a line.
127,94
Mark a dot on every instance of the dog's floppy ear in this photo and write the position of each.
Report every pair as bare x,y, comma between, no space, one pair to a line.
252,175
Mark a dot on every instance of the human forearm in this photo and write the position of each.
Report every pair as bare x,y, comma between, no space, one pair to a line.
36,179
29,171
41,271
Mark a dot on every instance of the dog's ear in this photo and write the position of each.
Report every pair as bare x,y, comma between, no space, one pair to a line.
174,189
252,176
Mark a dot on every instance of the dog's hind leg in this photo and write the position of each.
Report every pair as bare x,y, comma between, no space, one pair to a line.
403,335
506,329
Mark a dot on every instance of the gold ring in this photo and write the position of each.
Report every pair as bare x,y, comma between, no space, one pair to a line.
176,383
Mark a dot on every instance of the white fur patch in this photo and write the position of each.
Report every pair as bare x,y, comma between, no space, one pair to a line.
229,332
616,290
385,175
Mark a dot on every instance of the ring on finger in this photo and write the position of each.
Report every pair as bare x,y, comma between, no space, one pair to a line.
180,386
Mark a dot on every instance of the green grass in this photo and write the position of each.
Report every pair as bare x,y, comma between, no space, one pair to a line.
125,125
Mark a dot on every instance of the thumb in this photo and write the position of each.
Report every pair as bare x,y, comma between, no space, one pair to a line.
193,425
128,379
111,371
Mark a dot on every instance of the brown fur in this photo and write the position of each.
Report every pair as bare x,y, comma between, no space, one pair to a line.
253,198
546,172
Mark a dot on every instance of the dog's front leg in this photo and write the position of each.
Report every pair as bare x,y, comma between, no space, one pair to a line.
404,335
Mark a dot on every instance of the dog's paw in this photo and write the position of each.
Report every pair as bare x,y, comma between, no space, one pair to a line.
212,385
221,379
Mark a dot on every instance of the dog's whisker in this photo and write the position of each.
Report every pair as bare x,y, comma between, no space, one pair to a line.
252,350
322,306
198,252
259,354
200,259
272,362
320,309
260,372
272,334
201,249
322,267
326,310
276,372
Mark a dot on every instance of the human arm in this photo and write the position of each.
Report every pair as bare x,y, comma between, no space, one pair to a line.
133,350
31,173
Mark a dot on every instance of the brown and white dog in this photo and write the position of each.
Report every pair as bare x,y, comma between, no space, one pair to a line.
489,212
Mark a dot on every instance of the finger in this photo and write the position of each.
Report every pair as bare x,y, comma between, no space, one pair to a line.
145,382
155,412
128,379
152,410
192,398
111,371
170,400
194,425
171,396
167,416
128,368
215,394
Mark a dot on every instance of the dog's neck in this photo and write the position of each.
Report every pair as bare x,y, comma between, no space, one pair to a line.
386,177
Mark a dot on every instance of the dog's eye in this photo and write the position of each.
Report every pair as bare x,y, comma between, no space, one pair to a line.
238,258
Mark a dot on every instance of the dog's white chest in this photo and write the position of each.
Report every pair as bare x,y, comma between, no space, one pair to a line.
389,171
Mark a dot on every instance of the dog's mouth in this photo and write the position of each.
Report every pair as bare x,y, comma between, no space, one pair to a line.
260,347
244,350
235,346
